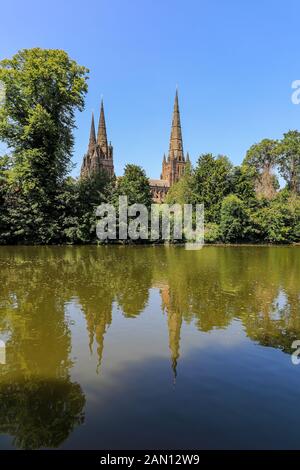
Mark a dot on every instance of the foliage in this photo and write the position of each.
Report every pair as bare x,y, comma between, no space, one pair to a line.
289,160
243,183
212,233
44,88
79,201
279,221
234,219
212,181
182,192
3,194
135,185
263,157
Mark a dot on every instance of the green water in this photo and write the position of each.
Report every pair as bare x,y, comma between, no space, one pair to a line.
157,347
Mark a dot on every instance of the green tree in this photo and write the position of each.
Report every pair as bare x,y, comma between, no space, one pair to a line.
44,88
212,233
263,158
3,203
79,201
212,182
135,185
243,183
182,192
278,221
289,160
234,219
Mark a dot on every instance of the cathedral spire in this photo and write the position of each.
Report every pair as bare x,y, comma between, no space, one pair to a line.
174,327
174,319
102,137
176,145
92,141
99,156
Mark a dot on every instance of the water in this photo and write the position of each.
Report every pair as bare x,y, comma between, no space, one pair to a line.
149,347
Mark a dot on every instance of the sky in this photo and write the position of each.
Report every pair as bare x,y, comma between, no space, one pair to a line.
233,62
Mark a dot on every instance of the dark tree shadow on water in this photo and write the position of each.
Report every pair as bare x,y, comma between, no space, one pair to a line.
40,413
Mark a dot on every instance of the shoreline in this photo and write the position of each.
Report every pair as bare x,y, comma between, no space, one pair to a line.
152,245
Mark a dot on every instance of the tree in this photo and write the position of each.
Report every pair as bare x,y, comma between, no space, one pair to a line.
233,219
276,221
135,185
243,183
263,157
212,182
78,202
182,192
4,165
44,88
289,160
212,233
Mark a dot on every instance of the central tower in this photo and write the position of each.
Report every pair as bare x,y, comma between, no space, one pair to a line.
173,167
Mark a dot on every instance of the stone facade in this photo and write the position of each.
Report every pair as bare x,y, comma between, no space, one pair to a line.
99,156
159,189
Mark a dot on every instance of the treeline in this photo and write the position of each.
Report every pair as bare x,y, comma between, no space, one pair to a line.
41,204
245,203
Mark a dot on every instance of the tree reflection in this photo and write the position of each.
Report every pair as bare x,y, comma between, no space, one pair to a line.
40,413
40,405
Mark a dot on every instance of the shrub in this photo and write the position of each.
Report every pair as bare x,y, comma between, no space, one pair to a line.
234,219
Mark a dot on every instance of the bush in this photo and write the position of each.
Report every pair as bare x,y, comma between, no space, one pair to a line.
234,219
212,233
279,222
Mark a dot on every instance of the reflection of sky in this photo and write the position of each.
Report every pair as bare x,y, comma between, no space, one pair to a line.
142,338
229,392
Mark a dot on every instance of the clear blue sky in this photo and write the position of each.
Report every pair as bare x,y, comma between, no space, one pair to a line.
233,61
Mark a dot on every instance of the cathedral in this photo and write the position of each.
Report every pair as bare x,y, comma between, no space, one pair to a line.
99,156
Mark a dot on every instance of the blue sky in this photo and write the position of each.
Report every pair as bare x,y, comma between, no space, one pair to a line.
233,61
